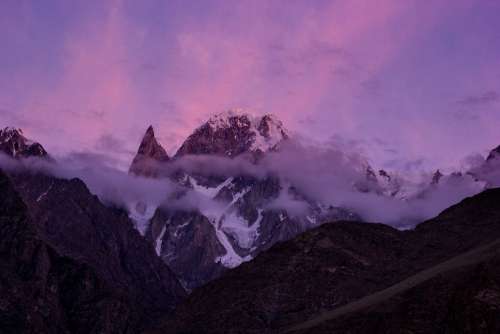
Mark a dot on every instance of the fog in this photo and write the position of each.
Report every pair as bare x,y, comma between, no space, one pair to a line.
112,186
327,174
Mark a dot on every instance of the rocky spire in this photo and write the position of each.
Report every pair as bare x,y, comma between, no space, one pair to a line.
149,155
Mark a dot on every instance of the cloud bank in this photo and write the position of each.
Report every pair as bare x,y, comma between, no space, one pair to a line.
326,174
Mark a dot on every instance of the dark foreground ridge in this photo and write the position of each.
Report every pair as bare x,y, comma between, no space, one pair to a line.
478,255
71,265
347,277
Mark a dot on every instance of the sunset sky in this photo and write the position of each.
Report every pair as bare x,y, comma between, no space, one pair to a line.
414,84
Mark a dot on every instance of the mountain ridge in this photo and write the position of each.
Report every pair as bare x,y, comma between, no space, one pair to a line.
342,262
246,226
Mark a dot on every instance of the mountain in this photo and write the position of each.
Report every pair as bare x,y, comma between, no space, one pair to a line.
43,291
73,264
235,132
70,264
79,226
149,155
247,215
350,277
16,145
200,244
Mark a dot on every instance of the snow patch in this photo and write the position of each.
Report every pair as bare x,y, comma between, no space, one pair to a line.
231,259
159,241
209,192
236,226
312,220
180,227
44,193
237,196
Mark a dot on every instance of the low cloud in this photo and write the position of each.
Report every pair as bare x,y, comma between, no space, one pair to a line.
326,174
112,186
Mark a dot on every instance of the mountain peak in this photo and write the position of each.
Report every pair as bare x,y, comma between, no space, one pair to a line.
234,132
223,119
149,154
16,145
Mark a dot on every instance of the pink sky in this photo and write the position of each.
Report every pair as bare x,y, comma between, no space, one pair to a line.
415,84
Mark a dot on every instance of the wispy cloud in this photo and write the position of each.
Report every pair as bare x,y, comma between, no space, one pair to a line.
323,67
485,98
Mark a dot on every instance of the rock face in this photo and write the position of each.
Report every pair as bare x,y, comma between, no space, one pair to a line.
187,241
348,277
149,156
109,254
14,144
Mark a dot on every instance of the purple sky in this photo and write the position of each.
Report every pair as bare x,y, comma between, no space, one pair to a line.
415,84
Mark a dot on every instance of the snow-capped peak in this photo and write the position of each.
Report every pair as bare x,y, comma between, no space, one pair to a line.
234,132
8,133
223,119
15,144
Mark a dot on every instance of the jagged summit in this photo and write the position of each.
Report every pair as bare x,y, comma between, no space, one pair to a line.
149,154
16,145
233,132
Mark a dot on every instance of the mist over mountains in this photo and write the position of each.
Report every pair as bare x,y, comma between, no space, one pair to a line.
328,173
240,183
238,187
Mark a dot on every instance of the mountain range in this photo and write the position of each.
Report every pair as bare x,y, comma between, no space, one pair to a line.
200,244
253,253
